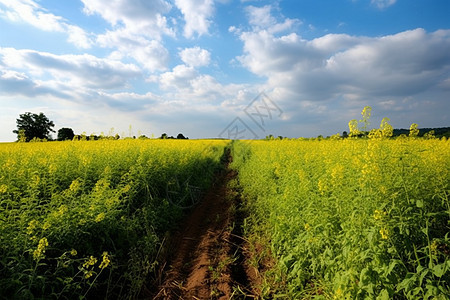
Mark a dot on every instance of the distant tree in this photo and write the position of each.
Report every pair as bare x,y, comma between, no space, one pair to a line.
30,126
164,136
180,136
65,134
345,134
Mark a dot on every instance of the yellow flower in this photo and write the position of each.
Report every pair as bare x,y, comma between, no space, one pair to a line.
434,246
378,214
73,252
31,226
105,262
74,186
39,252
384,233
100,217
338,294
90,262
323,186
307,227
3,188
88,274
46,225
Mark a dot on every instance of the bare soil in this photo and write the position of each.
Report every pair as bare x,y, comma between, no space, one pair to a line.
207,257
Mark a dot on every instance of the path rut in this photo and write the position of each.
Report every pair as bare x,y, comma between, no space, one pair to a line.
207,260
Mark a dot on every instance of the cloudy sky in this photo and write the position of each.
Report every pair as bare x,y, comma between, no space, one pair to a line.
208,68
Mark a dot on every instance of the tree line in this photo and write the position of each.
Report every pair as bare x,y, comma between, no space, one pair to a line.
38,127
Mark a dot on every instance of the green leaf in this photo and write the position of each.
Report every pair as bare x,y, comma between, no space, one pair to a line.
439,270
391,267
384,295
419,203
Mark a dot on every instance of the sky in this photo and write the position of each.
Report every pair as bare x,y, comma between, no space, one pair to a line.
224,68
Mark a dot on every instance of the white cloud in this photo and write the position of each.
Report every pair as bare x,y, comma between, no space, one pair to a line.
145,18
195,57
179,78
383,3
151,54
138,27
78,37
188,85
30,12
80,71
316,80
261,18
197,15
333,66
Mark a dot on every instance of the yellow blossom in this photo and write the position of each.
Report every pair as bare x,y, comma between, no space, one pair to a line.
46,225
88,274
105,261
434,246
73,252
100,217
378,214
384,233
39,252
31,226
338,294
90,262
74,186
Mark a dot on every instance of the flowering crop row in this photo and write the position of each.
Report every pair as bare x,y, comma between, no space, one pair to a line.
352,219
83,218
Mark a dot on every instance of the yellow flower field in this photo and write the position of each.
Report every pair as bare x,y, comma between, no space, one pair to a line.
91,215
358,218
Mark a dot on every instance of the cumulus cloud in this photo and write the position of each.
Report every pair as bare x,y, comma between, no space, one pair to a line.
333,76
179,78
195,57
261,18
145,18
138,27
189,85
402,64
82,71
151,54
12,82
30,12
197,15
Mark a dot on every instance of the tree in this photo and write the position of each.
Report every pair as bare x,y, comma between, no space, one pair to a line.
180,136
30,126
65,134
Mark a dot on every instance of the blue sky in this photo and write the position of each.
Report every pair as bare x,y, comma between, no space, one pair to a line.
210,68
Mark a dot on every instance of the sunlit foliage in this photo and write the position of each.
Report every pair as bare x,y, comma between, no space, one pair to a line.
88,218
352,218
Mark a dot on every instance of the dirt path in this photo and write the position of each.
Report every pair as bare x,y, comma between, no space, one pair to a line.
208,260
